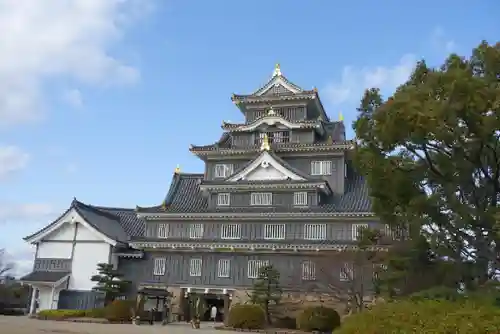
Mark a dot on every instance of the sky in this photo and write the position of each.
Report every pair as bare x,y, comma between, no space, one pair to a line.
100,100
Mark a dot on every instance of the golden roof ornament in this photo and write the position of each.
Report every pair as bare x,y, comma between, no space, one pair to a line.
341,117
177,170
265,143
315,89
164,206
277,70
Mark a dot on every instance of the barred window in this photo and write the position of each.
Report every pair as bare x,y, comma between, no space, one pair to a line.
195,231
346,272
231,231
223,170
254,267
308,271
163,231
300,199
357,230
195,267
223,199
159,266
274,231
261,199
321,167
223,267
315,231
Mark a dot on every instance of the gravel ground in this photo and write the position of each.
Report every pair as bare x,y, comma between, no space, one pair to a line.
24,325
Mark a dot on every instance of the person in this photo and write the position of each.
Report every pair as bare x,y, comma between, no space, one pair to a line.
213,313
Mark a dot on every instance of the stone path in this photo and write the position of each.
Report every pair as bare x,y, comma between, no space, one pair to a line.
24,325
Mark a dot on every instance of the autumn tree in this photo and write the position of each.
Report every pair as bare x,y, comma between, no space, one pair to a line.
5,266
266,289
431,156
349,277
109,281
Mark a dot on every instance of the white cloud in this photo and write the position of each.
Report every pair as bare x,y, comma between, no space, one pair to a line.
74,98
49,39
354,81
441,42
12,159
71,168
25,212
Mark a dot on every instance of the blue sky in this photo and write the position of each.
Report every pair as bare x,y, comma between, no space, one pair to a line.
100,100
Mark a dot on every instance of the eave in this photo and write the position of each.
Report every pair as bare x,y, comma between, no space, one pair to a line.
287,216
239,246
283,147
271,120
239,186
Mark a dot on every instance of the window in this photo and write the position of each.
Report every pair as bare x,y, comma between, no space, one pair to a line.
308,271
196,231
223,268
274,231
321,167
315,231
223,199
159,265
195,267
223,170
230,231
274,137
356,230
163,231
300,199
254,267
346,272
261,199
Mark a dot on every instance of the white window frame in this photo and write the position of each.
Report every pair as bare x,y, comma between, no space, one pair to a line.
274,231
254,266
196,231
159,266
346,273
163,230
230,231
308,270
223,199
223,170
323,167
224,268
315,231
261,199
300,198
355,230
195,266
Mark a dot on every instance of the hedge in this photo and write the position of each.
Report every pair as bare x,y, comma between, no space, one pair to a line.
318,318
425,316
246,316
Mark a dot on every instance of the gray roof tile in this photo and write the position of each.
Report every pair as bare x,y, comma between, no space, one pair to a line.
44,276
116,223
184,196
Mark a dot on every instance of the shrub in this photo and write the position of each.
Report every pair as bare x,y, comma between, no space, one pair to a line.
286,322
60,314
318,318
119,310
425,316
246,316
441,292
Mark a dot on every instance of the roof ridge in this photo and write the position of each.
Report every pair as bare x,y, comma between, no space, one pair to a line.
96,210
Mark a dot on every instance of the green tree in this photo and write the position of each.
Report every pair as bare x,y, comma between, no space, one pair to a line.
431,156
266,289
109,282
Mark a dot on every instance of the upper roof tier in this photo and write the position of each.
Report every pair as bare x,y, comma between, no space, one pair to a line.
279,88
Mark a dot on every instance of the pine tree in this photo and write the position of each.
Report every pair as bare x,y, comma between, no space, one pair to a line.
109,282
266,289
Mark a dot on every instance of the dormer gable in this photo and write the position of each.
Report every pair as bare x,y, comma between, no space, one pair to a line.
267,167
